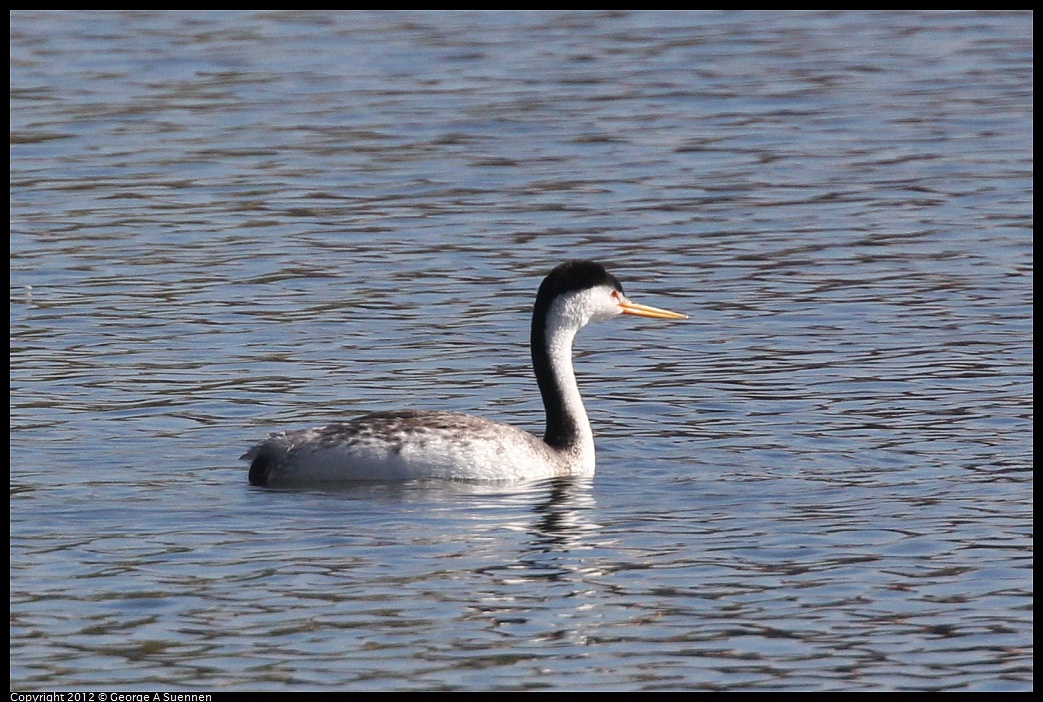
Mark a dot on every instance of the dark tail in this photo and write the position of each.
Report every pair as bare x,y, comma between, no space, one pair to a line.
260,469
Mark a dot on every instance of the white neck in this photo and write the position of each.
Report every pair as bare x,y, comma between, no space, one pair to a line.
580,451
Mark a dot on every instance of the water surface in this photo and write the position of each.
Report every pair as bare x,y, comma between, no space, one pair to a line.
228,223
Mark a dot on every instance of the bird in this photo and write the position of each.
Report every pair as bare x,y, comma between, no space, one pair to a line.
410,444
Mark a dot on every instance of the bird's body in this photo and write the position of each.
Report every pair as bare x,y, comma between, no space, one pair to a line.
407,445
411,444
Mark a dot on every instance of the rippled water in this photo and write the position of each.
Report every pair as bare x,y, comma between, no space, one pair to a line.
228,223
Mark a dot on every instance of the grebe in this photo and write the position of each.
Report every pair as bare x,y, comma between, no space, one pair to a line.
413,444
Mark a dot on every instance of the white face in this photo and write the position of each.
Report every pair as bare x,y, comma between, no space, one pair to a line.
576,309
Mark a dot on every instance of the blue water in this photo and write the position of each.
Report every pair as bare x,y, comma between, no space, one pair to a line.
227,223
